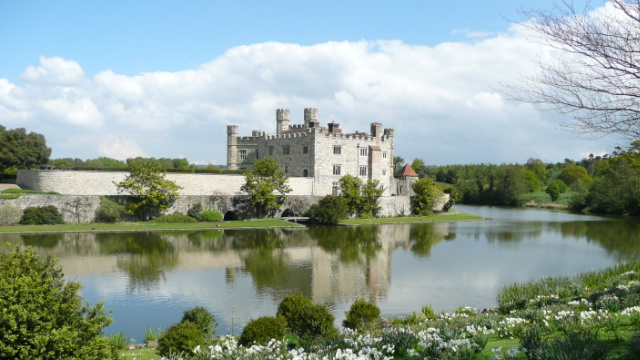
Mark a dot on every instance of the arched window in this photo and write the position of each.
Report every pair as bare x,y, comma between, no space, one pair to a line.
305,173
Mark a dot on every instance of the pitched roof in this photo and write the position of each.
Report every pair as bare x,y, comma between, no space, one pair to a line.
405,171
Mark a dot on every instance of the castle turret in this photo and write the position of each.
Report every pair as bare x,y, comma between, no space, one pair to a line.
282,120
310,115
232,143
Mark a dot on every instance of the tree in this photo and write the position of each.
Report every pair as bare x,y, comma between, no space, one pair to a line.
21,149
370,196
427,193
266,185
572,173
556,188
361,199
151,192
595,79
42,316
350,192
397,161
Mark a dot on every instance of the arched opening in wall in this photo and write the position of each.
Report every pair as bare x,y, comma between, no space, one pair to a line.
288,213
230,215
305,173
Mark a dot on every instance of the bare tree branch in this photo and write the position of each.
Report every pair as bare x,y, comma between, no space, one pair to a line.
596,79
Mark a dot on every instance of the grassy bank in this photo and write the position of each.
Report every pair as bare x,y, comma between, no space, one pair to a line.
594,315
446,217
146,226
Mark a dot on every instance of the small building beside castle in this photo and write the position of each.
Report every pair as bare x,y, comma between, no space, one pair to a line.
324,154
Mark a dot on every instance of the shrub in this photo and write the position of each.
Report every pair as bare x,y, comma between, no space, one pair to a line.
42,316
9,215
45,215
203,319
182,337
329,210
556,188
175,218
304,318
427,312
109,211
211,216
363,315
262,330
195,211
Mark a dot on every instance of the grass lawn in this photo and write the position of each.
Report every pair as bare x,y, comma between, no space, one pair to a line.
448,217
146,226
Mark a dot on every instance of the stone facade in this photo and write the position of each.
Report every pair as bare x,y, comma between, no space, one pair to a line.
323,154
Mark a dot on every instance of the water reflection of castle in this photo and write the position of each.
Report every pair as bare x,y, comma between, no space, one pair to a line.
327,264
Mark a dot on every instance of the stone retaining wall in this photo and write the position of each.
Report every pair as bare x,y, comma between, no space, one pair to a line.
83,208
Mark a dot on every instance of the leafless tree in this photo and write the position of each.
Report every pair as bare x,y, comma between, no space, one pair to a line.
595,79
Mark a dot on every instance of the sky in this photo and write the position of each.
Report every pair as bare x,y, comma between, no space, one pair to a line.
164,78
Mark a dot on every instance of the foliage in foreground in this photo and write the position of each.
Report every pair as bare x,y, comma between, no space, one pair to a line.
42,316
593,315
196,327
262,330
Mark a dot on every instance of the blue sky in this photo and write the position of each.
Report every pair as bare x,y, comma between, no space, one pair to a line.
164,78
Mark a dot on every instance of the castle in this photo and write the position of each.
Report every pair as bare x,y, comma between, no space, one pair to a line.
324,154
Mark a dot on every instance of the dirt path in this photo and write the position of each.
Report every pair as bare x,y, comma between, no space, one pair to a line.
4,187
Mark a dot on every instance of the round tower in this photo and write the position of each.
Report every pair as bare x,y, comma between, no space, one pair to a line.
282,120
232,143
310,114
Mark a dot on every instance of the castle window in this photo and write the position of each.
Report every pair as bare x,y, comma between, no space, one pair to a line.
381,186
286,168
270,150
363,171
384,154
337,149
243,154
384,172
305,173
336,169
285,150
364,151
305,149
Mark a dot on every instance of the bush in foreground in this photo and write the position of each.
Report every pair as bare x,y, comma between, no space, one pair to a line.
304,318
203,319
42,315
262,330
363,315
44,215
182,337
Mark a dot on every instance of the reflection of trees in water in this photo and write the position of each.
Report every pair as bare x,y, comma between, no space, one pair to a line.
48,241
621,237
515,232
425,236
351,244
149,255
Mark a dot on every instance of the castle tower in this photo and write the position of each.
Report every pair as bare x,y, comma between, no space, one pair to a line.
232,147
310,114
282,120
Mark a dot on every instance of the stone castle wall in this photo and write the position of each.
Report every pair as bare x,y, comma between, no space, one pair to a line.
103,182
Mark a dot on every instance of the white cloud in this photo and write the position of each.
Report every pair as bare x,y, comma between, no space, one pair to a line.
120,149
441,100
54,71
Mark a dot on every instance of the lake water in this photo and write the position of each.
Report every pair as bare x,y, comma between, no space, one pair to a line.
150,278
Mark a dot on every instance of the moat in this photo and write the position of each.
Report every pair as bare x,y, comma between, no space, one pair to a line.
149,278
